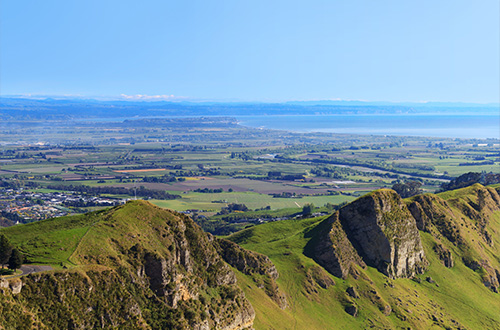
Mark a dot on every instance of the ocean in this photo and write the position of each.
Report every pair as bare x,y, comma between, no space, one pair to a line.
429,125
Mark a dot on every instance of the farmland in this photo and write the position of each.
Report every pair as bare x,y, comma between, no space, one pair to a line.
201,165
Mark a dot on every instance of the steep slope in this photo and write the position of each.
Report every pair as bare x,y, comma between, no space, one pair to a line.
140,267
333,249
454,292
137,266
464,225
385,232
376,229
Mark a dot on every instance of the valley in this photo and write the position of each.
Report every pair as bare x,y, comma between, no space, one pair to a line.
249,165
201,165
201,223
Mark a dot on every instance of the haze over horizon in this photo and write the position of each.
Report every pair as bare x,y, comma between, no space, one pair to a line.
180,99
262,52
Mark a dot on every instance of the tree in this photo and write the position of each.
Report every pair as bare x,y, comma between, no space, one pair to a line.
307,209
16,259
5,250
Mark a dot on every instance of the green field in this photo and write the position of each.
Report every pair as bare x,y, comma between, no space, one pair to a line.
252,200
249,165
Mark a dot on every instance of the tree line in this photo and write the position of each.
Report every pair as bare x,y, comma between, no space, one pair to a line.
9,255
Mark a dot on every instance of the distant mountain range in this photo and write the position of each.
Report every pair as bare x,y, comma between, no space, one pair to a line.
63,109
405,104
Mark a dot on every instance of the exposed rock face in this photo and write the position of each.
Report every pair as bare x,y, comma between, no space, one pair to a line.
444,255
475,203
498,275
254,264
384,233
316,279
378,230
421,218
351,310
16,285
431,210
152,260
488,199
320,277
334,251
242,320
459,216
245,261
351,291
490,276
481,204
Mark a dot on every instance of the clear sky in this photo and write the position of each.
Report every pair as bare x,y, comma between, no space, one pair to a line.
252,50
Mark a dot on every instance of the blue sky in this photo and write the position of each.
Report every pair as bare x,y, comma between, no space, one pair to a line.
446,50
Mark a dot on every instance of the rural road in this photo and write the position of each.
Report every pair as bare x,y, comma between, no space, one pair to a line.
28,269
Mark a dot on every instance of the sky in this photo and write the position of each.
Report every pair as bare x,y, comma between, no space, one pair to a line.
242,50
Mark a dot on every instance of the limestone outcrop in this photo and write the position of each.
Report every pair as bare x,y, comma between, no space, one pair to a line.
154,269
257,265
385,233
334,251
376,229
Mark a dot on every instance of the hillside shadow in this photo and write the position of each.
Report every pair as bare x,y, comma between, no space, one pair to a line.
314,234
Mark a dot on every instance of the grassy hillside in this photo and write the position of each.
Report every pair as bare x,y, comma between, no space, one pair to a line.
133,266
460,228
94,237
440,298
52,241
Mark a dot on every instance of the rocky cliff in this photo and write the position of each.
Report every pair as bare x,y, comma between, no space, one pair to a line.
139,266
381,230
460,220
334,250
254,264
376,229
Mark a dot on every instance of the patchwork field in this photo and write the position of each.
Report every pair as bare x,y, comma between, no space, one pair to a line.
208,164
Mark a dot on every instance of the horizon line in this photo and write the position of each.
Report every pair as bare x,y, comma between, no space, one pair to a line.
180,99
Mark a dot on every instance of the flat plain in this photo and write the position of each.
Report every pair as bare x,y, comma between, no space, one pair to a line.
202,165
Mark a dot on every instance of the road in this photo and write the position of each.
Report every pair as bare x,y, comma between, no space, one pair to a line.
28,269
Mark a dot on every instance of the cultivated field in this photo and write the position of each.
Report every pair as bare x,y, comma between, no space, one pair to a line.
205,165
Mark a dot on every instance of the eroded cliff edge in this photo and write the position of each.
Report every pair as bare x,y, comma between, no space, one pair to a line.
377,230
140,267
382,230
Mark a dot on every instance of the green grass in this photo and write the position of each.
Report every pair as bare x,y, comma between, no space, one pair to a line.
460,296
69,240
50,241
459,170
284,242
460,289
252,200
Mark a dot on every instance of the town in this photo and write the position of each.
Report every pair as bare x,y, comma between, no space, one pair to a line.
24,206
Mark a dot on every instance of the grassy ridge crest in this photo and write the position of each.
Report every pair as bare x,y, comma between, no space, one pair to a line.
464,222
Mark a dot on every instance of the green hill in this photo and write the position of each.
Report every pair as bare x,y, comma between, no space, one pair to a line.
132,266
462,229
430,261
